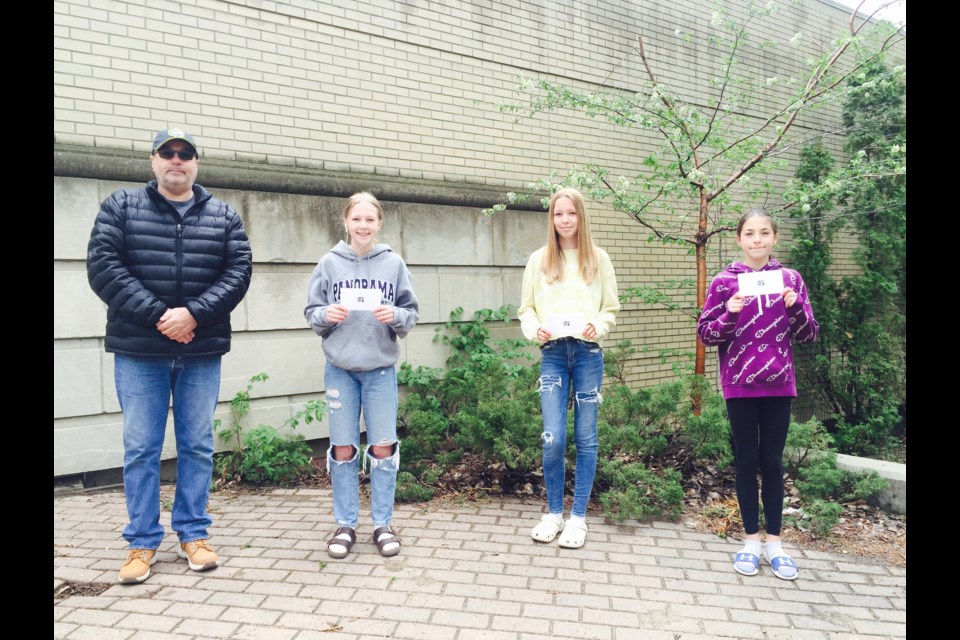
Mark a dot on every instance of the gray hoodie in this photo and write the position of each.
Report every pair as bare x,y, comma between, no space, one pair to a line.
361,343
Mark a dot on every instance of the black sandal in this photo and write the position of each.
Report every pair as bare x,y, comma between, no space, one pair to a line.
382,536
339,540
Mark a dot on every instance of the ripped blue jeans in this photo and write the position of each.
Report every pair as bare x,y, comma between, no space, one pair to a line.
375,392
564,361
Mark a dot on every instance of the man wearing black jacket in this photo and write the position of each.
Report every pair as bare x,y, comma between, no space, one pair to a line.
171,262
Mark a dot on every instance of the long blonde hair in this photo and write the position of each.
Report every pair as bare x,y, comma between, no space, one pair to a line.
587,253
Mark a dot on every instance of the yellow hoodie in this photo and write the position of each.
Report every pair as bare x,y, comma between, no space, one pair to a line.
544,305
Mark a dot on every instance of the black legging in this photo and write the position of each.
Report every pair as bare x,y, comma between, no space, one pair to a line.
759,433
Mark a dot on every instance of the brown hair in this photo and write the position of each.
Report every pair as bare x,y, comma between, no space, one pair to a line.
756,213
587,253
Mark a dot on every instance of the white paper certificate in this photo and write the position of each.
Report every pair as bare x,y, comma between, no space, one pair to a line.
360,299
758,283
566,324
761,283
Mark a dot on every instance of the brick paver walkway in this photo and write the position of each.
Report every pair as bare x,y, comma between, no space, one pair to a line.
467,572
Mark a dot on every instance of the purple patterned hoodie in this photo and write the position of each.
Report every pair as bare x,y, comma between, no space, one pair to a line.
755,346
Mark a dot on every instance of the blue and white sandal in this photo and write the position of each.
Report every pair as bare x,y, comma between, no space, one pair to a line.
747,564
784,567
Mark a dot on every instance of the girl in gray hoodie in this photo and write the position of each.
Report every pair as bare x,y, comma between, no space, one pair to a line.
360,300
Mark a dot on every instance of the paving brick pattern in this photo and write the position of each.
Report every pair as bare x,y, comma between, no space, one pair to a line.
467,571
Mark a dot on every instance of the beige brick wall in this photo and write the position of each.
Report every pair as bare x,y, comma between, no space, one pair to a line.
380,90
392,87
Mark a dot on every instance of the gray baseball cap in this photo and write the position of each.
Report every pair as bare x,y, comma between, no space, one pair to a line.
167,135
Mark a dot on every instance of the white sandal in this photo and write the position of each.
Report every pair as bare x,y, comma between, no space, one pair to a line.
548,528
574,535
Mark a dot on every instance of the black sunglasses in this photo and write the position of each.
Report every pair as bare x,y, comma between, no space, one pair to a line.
185,154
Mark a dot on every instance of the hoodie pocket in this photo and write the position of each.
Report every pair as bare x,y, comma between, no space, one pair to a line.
360,347
766,364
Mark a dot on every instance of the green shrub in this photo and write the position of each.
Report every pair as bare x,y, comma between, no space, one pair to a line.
486,405
615,360
420,378
822,485
709,432
503,429
651,410
809,456
871,438
864,485
425,431
262,455
637,492
822,515
485,402
803,440
268,457
410,490
821,479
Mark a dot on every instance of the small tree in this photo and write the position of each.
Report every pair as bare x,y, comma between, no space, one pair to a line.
709,150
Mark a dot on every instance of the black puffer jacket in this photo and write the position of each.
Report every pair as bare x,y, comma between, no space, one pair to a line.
143,259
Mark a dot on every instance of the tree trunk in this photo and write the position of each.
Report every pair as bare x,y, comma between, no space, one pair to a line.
699,362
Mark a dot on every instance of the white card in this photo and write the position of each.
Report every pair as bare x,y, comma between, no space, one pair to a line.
761,283
360,299
566,324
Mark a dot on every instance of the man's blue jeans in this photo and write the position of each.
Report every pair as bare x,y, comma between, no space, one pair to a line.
567,361
376,393
144,387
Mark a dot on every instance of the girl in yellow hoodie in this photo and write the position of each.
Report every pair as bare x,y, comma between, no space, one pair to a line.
569,304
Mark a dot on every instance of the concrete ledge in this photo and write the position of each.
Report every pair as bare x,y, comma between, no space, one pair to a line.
78,161
894,497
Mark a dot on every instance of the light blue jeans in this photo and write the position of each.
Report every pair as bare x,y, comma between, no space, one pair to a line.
567,361
144,387
376,393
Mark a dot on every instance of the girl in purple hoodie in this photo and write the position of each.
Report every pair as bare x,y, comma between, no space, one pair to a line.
754,335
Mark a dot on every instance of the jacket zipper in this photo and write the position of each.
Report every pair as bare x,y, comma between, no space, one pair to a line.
179,264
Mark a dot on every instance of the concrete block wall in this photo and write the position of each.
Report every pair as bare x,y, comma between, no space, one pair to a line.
892,499
450,250
364,94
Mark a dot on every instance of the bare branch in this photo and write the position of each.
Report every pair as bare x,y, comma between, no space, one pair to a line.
853,15
806,97
635,216
850,72
719,230
617,66
726,80
810,93
680,161
895,33
666,102
785,207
